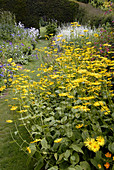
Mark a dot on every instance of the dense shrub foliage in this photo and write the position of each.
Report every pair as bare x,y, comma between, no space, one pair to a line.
30,11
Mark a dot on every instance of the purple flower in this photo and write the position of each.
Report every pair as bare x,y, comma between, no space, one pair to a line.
37,58
1,75
0,51
22,44
10,43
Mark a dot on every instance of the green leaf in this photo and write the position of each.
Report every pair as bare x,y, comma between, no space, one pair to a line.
77,167
74,159
39,164
85,134
69,133
48,119
85,165
44,143
94,162
111,147
61,156
71,168
63,120
67,154
55,155
76,148
53,168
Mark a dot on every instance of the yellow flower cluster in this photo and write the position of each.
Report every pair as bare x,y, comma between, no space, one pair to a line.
94,145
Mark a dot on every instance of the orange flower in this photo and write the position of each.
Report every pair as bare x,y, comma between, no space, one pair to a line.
108,155
107,165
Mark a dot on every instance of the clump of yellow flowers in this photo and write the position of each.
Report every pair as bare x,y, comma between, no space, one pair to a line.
94,145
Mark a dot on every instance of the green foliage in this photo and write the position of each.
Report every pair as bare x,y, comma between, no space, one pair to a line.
87,14
61,10
51,29
7,25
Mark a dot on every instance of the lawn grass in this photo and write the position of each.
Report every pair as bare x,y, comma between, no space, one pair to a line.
12,157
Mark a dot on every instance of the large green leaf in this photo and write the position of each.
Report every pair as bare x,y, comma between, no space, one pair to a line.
85,165
44,144
76,148
77,167
67,154
74,159
111,147
85,134
53,168
69,133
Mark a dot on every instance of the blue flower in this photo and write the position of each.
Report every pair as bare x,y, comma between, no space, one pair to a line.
1,75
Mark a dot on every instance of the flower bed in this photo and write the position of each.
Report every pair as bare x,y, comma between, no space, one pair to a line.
69,112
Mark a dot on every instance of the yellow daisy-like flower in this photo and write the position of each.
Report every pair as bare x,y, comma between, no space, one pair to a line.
95,146
79,126
100,140
96,35
9,121
28,149
89,142
58,140
9,60
13,108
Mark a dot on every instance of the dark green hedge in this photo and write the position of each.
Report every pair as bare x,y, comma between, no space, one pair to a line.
30,11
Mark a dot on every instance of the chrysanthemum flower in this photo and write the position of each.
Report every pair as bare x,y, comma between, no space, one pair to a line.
89,142
95,146
100,140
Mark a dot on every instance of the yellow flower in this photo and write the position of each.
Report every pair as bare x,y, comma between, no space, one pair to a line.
69,96
96,35
58,140
79,126
99,166
37,140
95,146
28,149
89,142
9,60
63,94
100,140
85,30
9,121
13,108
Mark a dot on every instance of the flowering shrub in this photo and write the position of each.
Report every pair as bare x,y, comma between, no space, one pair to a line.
69,112
104,5
7,71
